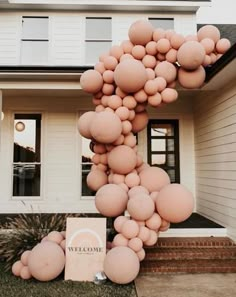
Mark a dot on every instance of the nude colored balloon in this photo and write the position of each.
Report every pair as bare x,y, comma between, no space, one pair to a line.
114,101
132,180
127,46
149,61
24,257
223,45
151,87
141,207
166,70
119,221
118,178
154,222
129,102
158,33
135,244
144,233
122,112
137,189
126,127
108,89
116,51
191,79
55,236
84,124
191,55
138,52
46,261
169,95
16,268
140,97
140,32
111,200
150,73
121,265
120,240
165,225
208,31
171,56
25,273
108,76
161,82
110,63
106,127
175,203
91,81
96,179
152,239
126,77
130,140
177,40
154,178
153,195
163,45
141,254
208,44
130,229
140,121
151,48
63,244
122,159
155,100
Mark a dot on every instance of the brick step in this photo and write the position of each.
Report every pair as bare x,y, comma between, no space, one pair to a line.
190,253
192,242
189,266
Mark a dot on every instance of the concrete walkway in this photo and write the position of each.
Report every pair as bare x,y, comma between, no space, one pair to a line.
187,285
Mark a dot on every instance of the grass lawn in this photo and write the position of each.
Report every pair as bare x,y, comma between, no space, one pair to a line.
11,286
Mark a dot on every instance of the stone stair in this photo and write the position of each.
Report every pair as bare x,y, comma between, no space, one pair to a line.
190,255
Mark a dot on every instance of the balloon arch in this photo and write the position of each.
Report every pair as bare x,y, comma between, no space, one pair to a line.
143,70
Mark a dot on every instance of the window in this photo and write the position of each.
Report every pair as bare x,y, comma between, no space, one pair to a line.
98,38
26,155
34,42
162,23
86,164
163,147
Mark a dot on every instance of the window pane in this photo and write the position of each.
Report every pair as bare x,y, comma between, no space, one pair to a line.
163,160
34,28
26,180
27,139
172,175
162,23
162,130
158,145
94,50
98,28
34,52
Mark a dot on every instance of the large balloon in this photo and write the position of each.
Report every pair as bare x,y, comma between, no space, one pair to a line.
154,178
140,32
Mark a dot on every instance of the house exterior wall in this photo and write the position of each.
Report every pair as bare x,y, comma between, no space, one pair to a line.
67,32
61,151
215,151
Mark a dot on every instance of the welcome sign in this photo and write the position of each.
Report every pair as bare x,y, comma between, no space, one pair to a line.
85,248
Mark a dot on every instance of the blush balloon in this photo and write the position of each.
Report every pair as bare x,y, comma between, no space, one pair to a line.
127,46
141,254
55,236
120,240
144,233
130,229
16,268
129,102
138,52
154,178
132,180
163,45
119,221
96,179
149,61
116,51
25,273
151,48
152,239
208,31
91,81
208,44
176,41
223,45
140,32
154,222
46,261
137,189
135,244
175,203
158,34
155,100
191,79
110,63
121,265
166,70
191,55
140,121
84,124
169,95
141,207
114,101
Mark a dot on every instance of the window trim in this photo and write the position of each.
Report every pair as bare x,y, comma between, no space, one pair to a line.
176,152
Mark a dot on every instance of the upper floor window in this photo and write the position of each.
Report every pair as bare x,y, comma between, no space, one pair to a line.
34,41
164,23
98,38
163,147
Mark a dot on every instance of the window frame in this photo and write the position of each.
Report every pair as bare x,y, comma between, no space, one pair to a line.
22,39
175,137
162,18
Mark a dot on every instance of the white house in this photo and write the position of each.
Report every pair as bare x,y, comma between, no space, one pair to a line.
45,46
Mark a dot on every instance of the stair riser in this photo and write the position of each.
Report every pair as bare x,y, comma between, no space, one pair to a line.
164,270
190,256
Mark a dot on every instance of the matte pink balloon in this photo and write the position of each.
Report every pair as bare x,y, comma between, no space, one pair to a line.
46,261
96,179
155,100
130,140
154,178
119,221
165,225
166,70
63,244
16,268
153,195
122,112
158,33
130,229
150,73
223,45
55,236
121,265
126,77
25,273
108,76
161,82
209,31
108,89
84,124
99,67
91,81
136,190
111,200
152,239
163,45
177,40
138,52
110,63
171,56
151,87
140,32
122,159
116,51
141,207
135,244
208,44
24,257
106,127
140,121
191,55
175,203
151,48
127,46
191,79
120,240
140,97
118,178
141,254
129,102
144,233
132,180
114,101
149,61
154,222
169,95
126,127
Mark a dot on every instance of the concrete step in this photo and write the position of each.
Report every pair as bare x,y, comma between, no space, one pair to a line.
189,266
163,253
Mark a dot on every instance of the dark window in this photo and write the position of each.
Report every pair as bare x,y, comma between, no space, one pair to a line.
26,155
163,146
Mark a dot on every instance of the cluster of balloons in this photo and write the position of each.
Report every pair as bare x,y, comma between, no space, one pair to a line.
142,70
45,261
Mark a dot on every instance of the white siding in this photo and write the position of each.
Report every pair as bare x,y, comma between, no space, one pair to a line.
9,39
215,149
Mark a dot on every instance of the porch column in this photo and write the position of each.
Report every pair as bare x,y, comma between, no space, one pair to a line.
0,119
